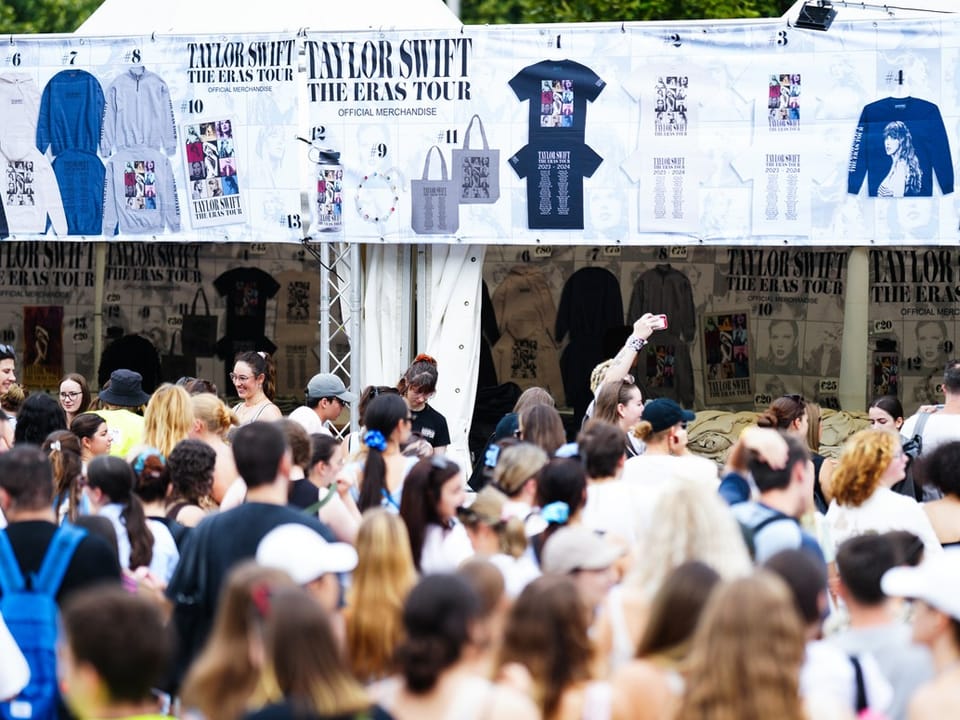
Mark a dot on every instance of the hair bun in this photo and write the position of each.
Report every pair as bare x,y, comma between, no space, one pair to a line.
423,357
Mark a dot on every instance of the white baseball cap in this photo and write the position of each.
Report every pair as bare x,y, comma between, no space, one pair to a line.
303,554
936,581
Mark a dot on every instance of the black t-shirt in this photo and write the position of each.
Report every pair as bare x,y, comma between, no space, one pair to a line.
246,291
431,426
303,494
287,711
212,549
554,173
94,561
558,91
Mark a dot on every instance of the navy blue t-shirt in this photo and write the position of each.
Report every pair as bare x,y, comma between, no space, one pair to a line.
554,173
558,91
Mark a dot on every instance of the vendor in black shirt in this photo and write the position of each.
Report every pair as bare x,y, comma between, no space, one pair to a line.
419,384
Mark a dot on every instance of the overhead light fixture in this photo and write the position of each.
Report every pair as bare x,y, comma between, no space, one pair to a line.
816,16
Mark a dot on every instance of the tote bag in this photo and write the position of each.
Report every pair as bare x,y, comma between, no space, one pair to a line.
476,171
199,332
434,202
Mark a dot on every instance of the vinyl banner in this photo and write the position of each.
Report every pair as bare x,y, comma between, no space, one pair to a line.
913,321
146,138
743,133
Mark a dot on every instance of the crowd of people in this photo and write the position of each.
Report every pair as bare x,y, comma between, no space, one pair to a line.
220,563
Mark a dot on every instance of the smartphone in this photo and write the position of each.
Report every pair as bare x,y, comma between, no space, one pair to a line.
660,322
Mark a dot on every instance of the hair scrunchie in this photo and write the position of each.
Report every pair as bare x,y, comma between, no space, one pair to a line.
375,439
556,513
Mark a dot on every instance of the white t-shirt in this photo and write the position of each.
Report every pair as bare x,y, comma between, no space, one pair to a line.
940,428
655,473
611,508
309,421
165,553
517,572
444,549
883,511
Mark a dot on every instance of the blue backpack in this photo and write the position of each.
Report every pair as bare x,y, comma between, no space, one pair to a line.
30,611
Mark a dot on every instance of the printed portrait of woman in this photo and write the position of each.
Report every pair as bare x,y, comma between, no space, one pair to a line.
905,175
783,343
933,347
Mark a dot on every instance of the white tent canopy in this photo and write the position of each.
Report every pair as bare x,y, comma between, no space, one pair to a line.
122,17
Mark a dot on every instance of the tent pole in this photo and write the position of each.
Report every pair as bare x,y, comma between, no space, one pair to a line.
100,271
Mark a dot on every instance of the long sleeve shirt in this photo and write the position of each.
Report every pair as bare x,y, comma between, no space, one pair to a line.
29,190
140,195
71,111
898,145
138,111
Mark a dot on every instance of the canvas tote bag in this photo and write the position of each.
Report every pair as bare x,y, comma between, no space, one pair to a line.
199,332
434,202
477,170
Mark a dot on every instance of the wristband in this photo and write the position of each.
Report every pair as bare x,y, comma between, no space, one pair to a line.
636,343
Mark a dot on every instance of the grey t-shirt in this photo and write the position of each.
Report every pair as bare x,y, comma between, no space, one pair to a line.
904,664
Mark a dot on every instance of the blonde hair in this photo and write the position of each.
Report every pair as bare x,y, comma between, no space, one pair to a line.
216,417
746,655
863,459
689,522
304,660
168,418
533,396
223,679
384,575
598,374
517,464
644,431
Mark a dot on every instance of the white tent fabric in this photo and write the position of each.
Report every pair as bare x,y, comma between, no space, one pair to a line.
383,357
879,10
450,304
452,308
122,17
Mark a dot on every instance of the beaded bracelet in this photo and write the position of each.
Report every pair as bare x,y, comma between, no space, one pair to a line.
378,216
636,343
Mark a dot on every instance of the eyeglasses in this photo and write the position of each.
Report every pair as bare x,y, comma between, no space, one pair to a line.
796,398
70,395
239,378
7,350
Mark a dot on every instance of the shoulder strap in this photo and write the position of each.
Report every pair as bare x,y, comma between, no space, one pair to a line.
918,426
769,520
861,688
57,559
315,508
11,579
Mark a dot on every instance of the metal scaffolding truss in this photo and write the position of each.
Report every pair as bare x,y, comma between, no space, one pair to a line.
341,294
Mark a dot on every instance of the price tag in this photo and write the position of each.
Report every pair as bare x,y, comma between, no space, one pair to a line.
611,251
258,248
882,326
678,252
828,387
761,400
175,321
543,251
112,298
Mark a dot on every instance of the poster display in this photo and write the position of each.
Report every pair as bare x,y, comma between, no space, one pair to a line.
638,134
761,134
144,138
745,326
912,319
